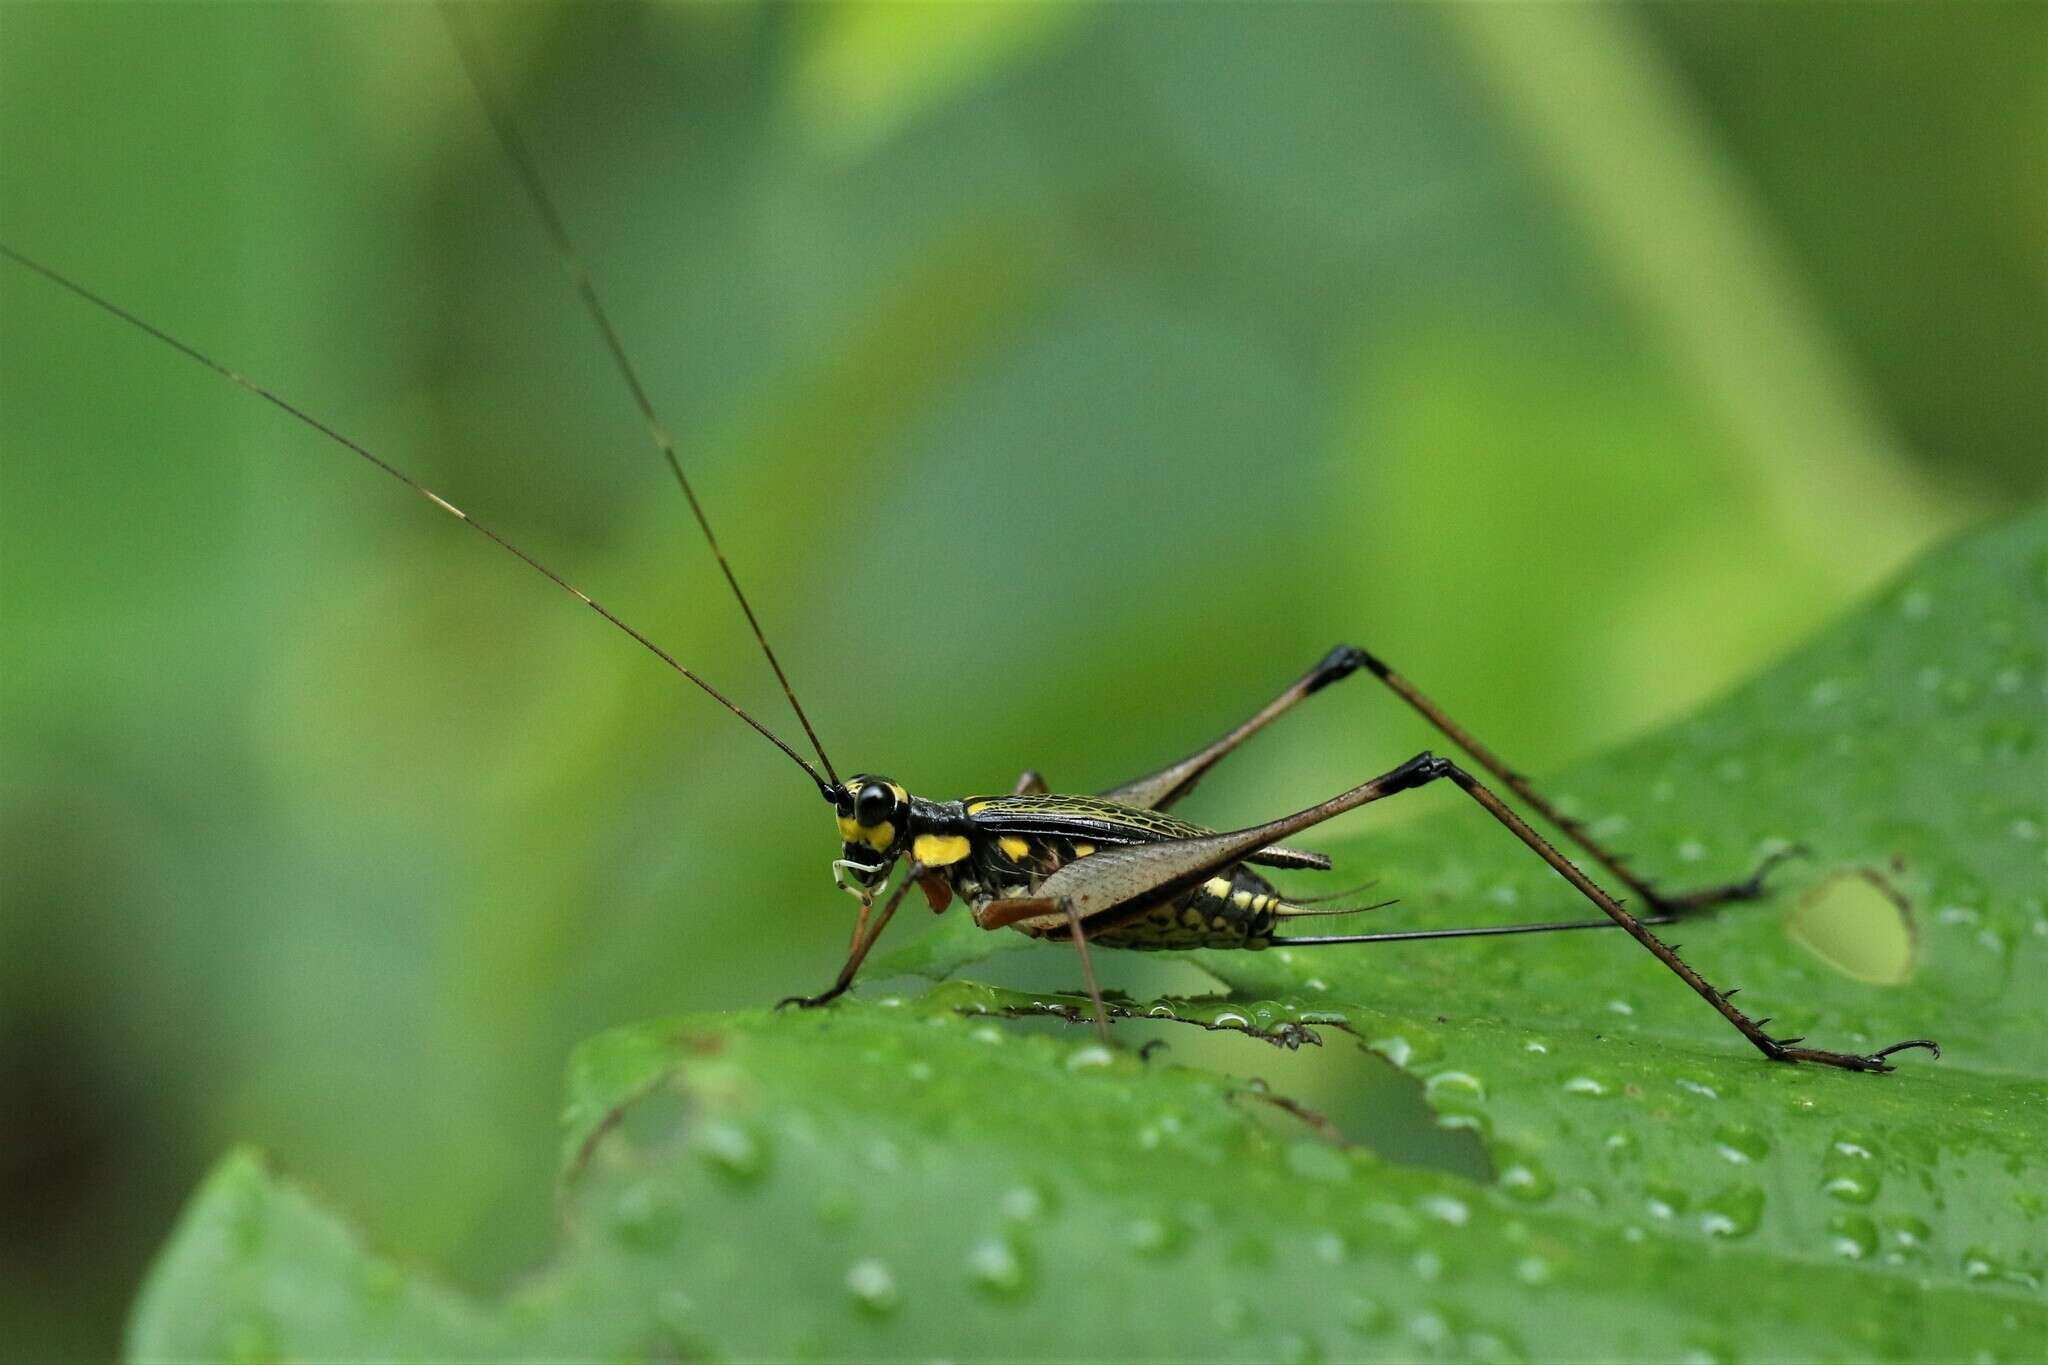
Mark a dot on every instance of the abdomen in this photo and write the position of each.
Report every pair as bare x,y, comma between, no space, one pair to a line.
1230,910
1233,911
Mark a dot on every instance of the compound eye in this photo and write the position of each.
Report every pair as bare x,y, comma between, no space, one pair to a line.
875,804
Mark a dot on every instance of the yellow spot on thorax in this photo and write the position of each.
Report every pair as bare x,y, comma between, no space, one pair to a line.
1083,850
1017,849
939,850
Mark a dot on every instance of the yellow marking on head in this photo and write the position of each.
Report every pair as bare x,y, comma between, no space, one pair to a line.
879,837
939,850
848,830
1017,849
1083,850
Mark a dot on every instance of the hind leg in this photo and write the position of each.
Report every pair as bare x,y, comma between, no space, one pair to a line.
1121,880
1640,888
1161,789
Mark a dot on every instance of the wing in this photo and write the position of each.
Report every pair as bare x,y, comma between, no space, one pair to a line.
1092,820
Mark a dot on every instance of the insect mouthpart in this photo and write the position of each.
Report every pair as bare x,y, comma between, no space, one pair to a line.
860,869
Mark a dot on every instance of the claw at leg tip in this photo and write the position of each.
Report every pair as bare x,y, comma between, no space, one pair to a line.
1926,1044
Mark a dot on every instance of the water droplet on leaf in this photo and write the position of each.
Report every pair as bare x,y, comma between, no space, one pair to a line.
1740,1145
1151,1236
1852,1235
1734,1212
647,1215
871,1282
1447,1209
730,1148
1526,1181
1852,1187
1023,1203
995,1265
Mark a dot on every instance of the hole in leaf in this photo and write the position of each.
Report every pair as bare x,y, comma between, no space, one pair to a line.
1372,1102
1860,924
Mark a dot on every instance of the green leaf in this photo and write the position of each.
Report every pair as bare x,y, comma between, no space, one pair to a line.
922,1178
1903,748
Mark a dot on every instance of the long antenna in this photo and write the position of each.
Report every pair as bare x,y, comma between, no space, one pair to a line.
475,63
299,414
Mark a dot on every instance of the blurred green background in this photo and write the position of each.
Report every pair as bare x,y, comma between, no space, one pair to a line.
1062,379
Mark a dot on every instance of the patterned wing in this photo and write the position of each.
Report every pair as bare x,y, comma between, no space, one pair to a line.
1091,819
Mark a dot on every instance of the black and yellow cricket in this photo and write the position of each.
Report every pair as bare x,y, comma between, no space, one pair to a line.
1114,870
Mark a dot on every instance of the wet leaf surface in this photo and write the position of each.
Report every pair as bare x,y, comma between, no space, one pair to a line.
925,1177
1902,747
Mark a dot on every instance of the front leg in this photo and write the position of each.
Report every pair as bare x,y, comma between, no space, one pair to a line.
861,947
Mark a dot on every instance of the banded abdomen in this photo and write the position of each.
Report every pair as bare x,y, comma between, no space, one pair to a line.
1236,909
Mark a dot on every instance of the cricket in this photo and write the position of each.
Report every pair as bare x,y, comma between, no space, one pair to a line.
1111,870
